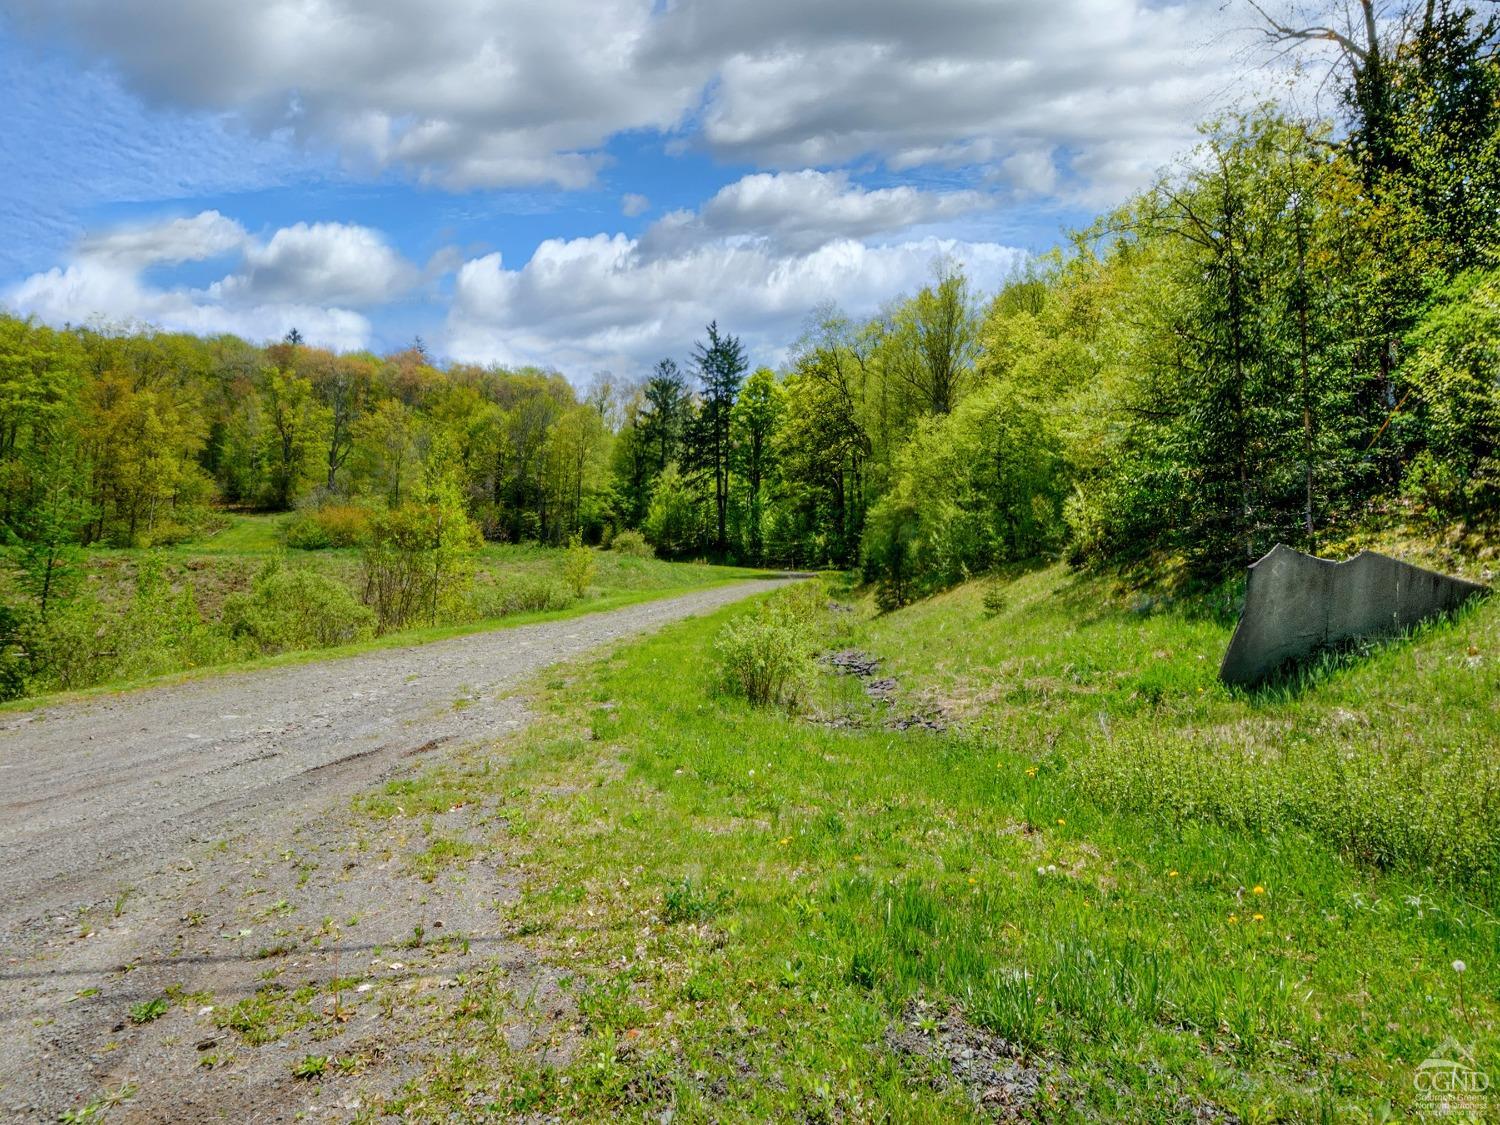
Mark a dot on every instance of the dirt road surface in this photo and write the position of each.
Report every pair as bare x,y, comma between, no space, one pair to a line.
136,827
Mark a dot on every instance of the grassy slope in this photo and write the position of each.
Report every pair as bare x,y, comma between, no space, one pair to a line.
750,902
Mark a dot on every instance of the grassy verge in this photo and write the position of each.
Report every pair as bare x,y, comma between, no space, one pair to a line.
821,917
226,563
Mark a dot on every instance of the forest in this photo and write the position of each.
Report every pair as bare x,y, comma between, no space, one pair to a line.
1295,332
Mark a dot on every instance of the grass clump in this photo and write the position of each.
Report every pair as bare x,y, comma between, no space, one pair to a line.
688,901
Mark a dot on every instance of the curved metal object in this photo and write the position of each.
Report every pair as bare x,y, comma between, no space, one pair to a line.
1296,604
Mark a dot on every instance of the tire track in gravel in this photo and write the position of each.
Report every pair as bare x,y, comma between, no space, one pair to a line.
97,793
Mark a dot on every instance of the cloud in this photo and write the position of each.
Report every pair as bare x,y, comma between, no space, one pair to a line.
804,210
525,92
632,204
205,235
479,93
310,276
330,263
960,81
587,303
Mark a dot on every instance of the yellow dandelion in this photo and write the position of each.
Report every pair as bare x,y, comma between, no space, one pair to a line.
1060,820
1031,771
1258,918
972,881
784,841
1172,874
1234,919
1257,889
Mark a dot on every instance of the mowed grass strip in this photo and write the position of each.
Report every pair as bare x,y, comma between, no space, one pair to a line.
756,911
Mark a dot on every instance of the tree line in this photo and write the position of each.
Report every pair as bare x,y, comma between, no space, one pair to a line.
1296,326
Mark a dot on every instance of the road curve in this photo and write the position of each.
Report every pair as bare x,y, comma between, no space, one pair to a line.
96,792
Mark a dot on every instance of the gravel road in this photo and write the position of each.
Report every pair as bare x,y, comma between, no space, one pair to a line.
96,793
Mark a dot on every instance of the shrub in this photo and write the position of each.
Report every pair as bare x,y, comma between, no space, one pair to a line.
506,594
333,525
303,532
632,544
578,567
288,608
767,657
418,562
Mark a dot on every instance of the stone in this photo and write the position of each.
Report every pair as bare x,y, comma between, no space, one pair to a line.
1297,604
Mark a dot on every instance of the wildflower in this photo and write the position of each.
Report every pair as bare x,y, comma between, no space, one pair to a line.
784,841
1257,889
1060,820
972,881
1234,919
1258,918
1172,874
1030,771
1459,966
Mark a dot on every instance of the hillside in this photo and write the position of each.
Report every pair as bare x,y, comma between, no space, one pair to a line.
1108,889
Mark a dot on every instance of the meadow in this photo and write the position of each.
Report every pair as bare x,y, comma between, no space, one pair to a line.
1035,864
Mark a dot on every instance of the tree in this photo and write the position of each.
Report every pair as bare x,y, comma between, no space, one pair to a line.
940,328
294,428
721,368
757,415
664,414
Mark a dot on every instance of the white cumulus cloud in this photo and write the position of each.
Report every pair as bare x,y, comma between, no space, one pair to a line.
586,303
313,277
484,93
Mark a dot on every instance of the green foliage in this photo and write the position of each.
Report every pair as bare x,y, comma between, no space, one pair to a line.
1453,365
288,608
766,656
331,525
148,1011
504,594
675,524
632,544
418,565
578,567
971,490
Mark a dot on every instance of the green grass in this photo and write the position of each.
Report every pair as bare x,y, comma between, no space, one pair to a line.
226,561
1136,879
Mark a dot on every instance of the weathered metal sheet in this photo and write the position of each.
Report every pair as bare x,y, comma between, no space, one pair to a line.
1296,604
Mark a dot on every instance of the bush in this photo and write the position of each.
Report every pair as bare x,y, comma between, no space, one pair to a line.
334,525
578,567
303,532
289,608
520,593
633,545
767,657
418,563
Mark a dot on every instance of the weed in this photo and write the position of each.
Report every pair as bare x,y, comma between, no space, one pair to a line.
310,1066
148,1010
688,901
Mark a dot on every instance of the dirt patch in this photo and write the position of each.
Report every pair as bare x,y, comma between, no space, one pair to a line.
990,1069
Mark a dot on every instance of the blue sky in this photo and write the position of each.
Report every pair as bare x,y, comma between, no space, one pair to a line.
574,183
